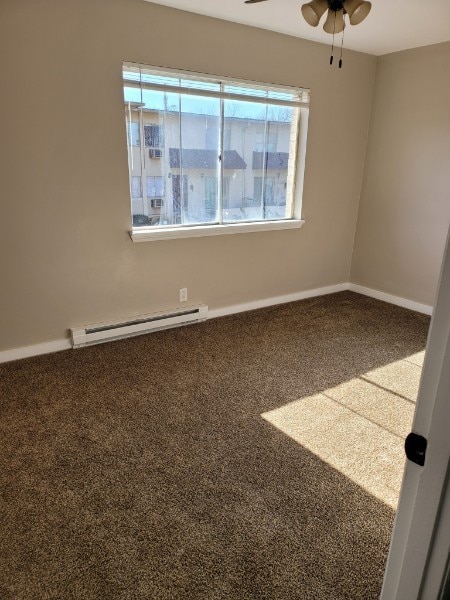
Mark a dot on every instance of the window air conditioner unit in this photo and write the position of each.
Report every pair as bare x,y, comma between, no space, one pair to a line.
155,153
157,202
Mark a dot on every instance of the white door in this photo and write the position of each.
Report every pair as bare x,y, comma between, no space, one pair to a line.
418,561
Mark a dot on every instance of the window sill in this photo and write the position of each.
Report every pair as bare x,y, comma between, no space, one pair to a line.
173,233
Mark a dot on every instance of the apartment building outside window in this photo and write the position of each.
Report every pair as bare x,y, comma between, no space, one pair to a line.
216,152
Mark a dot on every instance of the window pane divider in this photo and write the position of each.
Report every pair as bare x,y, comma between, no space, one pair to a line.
221,150
265,159
181,180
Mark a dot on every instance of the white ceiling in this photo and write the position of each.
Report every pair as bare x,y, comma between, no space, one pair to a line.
392,25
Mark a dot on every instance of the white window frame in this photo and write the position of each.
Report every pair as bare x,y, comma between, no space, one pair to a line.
295,182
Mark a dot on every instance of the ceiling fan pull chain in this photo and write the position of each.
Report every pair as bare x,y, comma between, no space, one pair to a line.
332,44
342,45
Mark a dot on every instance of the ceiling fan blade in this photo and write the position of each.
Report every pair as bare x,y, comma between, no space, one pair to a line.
253,1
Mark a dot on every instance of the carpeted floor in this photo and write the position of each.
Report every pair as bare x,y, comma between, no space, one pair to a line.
189,464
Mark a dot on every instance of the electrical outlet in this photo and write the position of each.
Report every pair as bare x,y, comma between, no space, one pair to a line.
183,294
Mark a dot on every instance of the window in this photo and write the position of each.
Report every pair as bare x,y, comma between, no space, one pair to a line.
136,187
266,140
134,138
226,192
227,136
155,186
212,137
153,136
270,192
227,152
263,189
210,193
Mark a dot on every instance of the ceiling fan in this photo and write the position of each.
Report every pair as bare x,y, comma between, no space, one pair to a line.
357,11
312,12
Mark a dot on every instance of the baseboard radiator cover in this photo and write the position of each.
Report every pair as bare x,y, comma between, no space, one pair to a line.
106,332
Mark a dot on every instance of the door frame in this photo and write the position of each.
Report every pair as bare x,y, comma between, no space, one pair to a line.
412,571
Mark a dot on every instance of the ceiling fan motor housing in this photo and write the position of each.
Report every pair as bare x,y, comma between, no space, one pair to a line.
336,5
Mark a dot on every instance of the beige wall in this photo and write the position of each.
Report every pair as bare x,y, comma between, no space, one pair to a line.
405,203
67,258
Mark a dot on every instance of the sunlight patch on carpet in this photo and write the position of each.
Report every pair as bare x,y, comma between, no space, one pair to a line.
359,426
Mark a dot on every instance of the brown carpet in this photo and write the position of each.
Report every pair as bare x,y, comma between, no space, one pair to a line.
158,467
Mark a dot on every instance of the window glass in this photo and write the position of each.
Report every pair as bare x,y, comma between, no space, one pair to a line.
210,193
209,159
266,140
155,186
136,187
134,136
153,136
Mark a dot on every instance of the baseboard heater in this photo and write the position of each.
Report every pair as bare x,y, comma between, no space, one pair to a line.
105,332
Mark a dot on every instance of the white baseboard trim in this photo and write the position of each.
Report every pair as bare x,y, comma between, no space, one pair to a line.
35,350
403,302
65,344
238,308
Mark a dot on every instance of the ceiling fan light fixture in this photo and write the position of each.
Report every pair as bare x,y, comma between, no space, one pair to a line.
335,21
313,11
357,10
351,5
